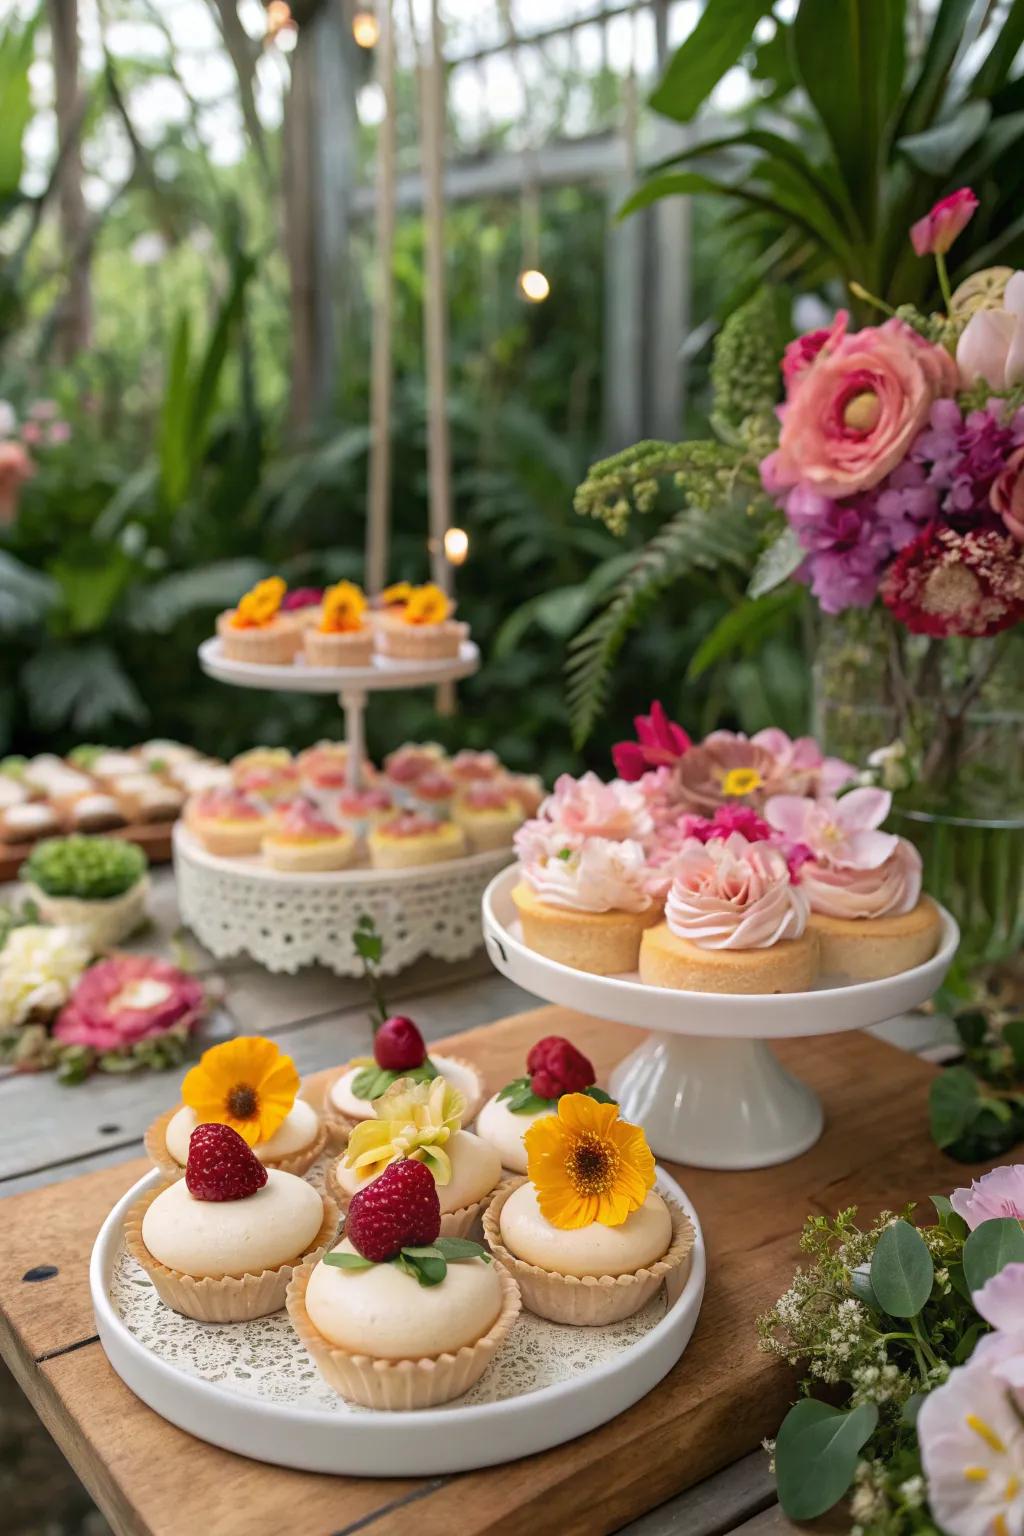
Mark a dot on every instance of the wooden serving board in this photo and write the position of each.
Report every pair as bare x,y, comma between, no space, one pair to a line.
153,837
714,1407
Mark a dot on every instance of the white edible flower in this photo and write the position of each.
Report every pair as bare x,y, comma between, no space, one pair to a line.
38,968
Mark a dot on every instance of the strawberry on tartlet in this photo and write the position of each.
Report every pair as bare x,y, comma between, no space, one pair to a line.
405,841
301,837
399,1050
226,822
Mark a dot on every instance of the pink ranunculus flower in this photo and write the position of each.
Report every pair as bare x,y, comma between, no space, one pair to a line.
587,807
840,833
995,1194
853,414
934,234
801,764
15,468
991,345
128,998
801,353
1006,497
659,744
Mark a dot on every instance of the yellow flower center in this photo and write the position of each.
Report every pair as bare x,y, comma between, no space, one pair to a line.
591,1164
862,411
243,1102
741,781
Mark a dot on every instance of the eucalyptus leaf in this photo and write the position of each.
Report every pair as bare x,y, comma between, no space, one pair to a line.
948,1218
861,1287
902,1271
816,1455
992,1246
953,1103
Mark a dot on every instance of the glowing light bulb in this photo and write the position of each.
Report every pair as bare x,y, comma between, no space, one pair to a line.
281,28
366,29
533,285
456,546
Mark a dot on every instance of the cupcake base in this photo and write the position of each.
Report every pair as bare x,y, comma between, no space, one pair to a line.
419,642
344,648
602,943
399,1384
297,1162
273,644
591,1301
310,856
871,948
228,1298
668,961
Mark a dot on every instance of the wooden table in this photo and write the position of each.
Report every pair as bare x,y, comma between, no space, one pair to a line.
709,1415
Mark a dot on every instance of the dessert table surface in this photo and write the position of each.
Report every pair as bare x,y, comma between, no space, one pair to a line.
685,1461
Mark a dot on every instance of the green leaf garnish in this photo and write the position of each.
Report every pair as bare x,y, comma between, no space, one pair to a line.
455,1249
347,1261
565,854
519,1097
372,1080
599,1096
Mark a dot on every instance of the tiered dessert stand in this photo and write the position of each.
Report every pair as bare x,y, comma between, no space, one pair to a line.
704,1084
283,920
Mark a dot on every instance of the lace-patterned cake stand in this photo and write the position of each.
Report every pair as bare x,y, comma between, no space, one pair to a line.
252,1388
285,921
704,1084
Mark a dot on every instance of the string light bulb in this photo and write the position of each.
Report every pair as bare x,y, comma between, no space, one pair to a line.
365,29
533,285
456,546
281,27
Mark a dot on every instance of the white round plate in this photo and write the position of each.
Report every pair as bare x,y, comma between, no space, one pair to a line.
251,1387
297,677
704,1085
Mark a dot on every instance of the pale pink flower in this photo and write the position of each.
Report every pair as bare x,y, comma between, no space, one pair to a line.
934,234
971,1434
999,1193
801,765
590,808
1007,494
991,345
1000,1302
838,832
852,415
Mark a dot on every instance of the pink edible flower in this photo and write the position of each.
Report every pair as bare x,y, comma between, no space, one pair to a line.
301,597
934,234
995,1194
800,762
589,808
128,998
659,744
839,833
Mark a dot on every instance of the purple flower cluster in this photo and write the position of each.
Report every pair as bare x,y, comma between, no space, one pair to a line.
947,476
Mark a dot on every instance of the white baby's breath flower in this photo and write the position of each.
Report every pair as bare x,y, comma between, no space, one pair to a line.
38,968
912,1492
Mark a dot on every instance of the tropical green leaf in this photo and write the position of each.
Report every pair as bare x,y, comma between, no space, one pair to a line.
164,603
174,451
694,184
902,1271
944,41
81,687
723,32
26,596
816,1455
91,581
994,70
745,625
990,1247
776,564
937,150
17,46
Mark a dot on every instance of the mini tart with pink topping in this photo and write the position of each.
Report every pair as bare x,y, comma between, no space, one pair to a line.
489,813
586,903
269,783
432,795
299,837
407,764
361,809
226,822
257,631
871,923
343,636
734,922
422,629
405,841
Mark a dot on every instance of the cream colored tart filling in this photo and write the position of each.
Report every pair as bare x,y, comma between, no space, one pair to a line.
215,1238
297,1130
387,1314
504,1130
476,1169
643,1237
345,1101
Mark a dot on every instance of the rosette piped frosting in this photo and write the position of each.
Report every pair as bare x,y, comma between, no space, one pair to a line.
887,891
732,894
598,875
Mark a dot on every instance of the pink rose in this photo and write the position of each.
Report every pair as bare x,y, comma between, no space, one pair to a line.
991,345
852,415
801,353
934,234
15,468
1007,494
995,1194
128,998
731,894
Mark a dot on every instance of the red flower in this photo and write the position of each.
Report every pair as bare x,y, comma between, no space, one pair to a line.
128,998
934,234
659,745
951,583
301,597
555,1067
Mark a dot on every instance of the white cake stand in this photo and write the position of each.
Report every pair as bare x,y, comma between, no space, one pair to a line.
704,1084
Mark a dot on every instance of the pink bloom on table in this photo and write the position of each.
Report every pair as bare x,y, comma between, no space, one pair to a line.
1007,494
995,1194
801,353
1001,1303
587,807
660,792
32,433
934,234
659,744
991,345
128,998
800,761
852,415
15,468
841,833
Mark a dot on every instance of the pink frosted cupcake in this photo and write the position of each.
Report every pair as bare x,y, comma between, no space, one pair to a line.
299,837
863,885
734,922
226,822
432,795
468,767
361,809
583,901
403,767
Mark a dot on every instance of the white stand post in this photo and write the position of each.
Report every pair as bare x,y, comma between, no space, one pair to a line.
353,702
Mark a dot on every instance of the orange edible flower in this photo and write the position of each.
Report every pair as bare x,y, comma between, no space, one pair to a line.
426,605
397,595
260,605
246,1083
343,609
587,1165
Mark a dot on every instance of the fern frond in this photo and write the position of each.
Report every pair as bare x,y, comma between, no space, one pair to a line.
696,538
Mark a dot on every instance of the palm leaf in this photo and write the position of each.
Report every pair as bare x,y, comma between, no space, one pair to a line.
82,687
26,596
161,605
695,539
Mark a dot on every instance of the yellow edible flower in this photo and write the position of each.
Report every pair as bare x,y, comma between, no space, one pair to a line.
587,1165
426,605
412,1120
246,1083
343,609
397,595
259,605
